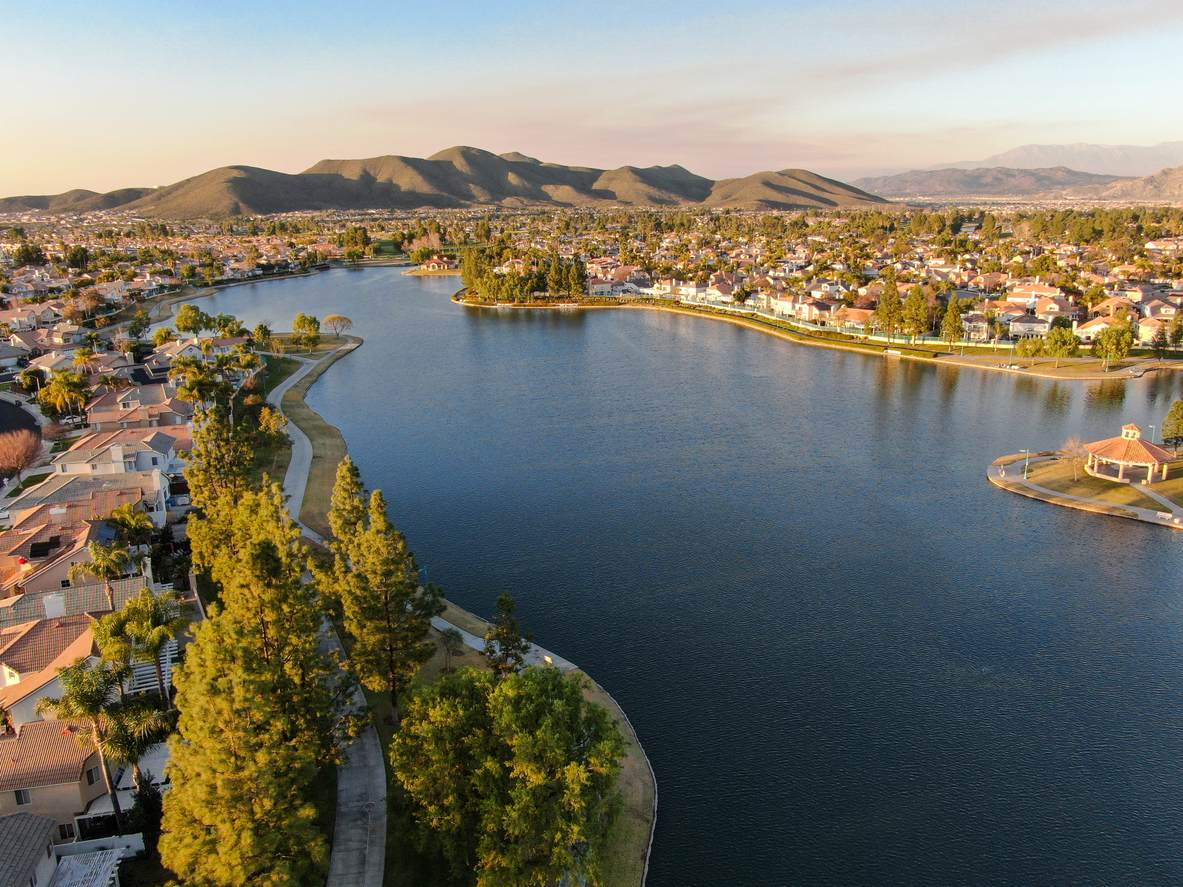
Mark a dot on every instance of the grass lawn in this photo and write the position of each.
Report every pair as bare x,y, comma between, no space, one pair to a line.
328,449
1172,487
31,480
1057,475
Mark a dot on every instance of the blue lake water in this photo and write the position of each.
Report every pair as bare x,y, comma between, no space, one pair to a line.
850,659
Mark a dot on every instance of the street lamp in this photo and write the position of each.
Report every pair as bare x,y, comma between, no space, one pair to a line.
1152,434
1026,461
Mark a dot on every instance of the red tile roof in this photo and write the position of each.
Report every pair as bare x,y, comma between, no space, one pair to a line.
44,753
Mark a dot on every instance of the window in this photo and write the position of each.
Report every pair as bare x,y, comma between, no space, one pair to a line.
65,583
23,797
66,830
154,461
92,775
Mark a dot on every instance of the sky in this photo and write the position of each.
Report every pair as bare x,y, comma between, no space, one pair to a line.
124,93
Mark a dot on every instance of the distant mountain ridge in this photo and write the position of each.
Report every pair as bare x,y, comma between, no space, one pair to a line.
456,178
985,182
1116,160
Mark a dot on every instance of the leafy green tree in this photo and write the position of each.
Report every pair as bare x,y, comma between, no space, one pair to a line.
952,330
28,254
889,315
1160,342
163,336
65,392
1175,335
1062,343
147,811
90,693
513,778
1172,426
452,642
32,378
139,325
191,319
505,644
916,322
1114,342
151,620
137,527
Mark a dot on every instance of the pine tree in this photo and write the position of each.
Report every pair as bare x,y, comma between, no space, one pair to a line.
505,645
951,328
916,321
385,611
890,313
347,509
219,464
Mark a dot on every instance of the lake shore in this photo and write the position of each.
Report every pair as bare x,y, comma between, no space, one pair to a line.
631,840
1129,501
1066,369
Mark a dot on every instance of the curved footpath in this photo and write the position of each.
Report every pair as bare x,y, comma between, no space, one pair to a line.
358,856
1171,516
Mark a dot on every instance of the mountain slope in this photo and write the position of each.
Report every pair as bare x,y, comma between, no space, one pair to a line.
986,182
1118,160
1164,185
456,178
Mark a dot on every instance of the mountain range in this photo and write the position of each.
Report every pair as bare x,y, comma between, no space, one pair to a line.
1002,182
456,178
1117,160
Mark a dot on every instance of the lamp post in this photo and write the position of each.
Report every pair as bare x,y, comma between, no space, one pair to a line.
1152,434
1026,461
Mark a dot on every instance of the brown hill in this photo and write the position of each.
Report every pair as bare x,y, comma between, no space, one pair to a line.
455,178
983,182
788,189
1165,185
78,200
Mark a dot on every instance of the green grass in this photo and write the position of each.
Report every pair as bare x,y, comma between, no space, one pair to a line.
31,480
1058,476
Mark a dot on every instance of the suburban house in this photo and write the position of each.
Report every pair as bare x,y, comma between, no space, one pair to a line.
1029,326
146,406
439,263
116,452
151,489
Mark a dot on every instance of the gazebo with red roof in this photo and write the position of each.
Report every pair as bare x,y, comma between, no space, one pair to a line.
1127,451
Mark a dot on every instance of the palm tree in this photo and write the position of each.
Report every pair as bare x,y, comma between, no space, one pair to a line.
86,359
152,620
90,695
65,391
138,725
107,563
135,524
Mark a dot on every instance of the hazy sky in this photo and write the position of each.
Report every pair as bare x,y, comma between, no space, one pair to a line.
119,93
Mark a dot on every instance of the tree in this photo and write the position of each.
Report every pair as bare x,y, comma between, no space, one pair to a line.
107,563
1176,333
261,708
951,328
505,645
65,391
514,779
307,328
1160,342
273,431
1074,451
916,322
138,725
152,620
1114,342
221,458
19,450
338,323
86,360
453,643
139,325
31,378
347,508
137,527
191,319
28,254
1172,426
90,694
889,314
1061,342
163,336
385,611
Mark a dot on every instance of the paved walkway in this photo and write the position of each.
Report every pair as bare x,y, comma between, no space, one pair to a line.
535,656
1173,515
359,837
296,480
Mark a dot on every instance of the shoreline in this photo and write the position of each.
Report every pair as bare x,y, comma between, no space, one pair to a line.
994,473
312,515
875,349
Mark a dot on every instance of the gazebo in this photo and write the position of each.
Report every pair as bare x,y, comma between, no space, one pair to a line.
1127,451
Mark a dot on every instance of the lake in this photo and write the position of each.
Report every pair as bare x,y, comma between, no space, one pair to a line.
851,660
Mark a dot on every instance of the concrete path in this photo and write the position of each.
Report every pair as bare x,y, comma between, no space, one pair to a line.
296,480
1167,504
359,836
1173,516
535,656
